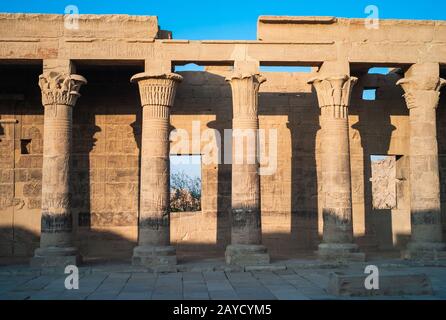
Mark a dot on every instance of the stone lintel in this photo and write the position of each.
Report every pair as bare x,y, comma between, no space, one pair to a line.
298,19
88,25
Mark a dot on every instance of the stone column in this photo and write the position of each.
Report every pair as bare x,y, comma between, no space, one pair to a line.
333,92
157,92
246,232
422,85
60,92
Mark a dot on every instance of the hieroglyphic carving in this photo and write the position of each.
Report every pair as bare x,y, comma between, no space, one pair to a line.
384,183
51,223
157,93
334,93
245,208
59,95
422,84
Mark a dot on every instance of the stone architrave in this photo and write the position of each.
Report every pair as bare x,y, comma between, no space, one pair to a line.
157,92
60,92
246,234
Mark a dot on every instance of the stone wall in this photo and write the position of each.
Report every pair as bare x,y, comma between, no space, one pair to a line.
106,145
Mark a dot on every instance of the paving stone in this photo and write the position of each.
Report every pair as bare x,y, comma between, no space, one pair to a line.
203,295
134,296
255,285
14,296
265,268
215,275
287,294
87,285
223,295
35,284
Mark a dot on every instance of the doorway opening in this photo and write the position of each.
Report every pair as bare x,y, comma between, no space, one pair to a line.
185,183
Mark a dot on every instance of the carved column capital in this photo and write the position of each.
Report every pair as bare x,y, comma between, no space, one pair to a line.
422,91
157,88
333,90
60,88
245,89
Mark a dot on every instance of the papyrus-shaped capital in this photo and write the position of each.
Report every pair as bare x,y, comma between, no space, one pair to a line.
245,89
157,88
333,90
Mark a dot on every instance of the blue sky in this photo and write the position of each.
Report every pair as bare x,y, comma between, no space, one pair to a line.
231,19
191,165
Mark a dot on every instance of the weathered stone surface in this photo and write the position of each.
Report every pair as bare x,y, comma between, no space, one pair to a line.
247,255
390,284
157,92
108,121
334,93
422,84
154,257
246,229
55,257
340,252
60,91
384,183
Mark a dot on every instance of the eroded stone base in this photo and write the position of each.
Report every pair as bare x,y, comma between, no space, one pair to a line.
154,256
424,251
340,251
244,255
391,284
55,257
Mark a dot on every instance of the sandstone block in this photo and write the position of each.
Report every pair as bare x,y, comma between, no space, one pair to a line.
247,255
340,251
390,284
55,257
154,256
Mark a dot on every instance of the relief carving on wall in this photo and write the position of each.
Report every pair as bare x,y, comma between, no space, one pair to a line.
384,184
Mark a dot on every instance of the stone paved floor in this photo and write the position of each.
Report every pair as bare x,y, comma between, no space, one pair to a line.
290,280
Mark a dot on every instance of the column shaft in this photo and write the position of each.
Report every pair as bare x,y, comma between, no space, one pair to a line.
56,212
59,95
422,86
337,210
246,232
424,176
155,197
157,92
334,98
